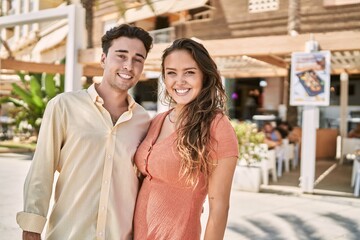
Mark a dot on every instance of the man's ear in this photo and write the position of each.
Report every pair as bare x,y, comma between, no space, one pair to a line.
102,61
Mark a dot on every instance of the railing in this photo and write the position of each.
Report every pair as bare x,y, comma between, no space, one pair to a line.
164,35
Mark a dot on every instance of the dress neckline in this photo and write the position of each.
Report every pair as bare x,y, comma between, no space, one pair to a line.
159,127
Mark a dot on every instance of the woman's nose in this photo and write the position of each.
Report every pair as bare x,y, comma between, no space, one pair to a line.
181,79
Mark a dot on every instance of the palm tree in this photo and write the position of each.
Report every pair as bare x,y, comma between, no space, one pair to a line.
293,29
294,17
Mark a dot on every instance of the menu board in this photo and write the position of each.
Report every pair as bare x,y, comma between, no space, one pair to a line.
310,78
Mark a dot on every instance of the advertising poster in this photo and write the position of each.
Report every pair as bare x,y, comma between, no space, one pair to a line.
310,78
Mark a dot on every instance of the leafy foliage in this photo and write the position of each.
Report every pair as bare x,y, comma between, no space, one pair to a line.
31,100
250,141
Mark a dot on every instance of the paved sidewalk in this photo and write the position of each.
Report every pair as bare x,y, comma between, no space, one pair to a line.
13,169
252,215
273,216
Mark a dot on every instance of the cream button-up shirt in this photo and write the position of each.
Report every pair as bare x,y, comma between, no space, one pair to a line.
97,186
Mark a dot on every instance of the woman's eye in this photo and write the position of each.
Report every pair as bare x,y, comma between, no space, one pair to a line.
170,73
190,73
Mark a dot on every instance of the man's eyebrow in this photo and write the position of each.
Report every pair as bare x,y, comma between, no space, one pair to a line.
126,51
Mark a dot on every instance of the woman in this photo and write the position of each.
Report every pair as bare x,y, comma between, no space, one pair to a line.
190,151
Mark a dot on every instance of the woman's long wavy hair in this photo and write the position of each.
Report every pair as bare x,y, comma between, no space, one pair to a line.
194,120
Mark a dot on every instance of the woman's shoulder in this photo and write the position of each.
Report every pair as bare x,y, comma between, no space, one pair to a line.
220,119
221,125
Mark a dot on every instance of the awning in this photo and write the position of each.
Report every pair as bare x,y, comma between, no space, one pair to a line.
160,7
52,39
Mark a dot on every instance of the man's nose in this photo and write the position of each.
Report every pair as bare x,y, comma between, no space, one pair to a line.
127,65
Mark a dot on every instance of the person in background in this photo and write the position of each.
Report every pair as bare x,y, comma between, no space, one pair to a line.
355,133
90,137
284,128
189,152
272,136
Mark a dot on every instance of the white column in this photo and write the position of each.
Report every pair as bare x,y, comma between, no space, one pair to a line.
344,90
74,42
310,121
308,148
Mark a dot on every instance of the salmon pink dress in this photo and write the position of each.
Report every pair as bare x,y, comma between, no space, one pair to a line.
167,208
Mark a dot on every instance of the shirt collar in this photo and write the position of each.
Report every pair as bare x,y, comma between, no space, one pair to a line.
97,99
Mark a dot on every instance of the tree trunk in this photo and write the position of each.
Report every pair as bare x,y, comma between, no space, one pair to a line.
89,24
294,17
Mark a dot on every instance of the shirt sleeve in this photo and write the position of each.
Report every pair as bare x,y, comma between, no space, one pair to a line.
224,140
39,181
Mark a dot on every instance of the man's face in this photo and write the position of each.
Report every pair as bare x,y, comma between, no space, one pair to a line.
123,63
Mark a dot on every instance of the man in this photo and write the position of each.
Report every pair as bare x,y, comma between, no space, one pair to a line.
90,137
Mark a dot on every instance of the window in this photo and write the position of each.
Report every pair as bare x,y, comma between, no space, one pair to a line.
263,5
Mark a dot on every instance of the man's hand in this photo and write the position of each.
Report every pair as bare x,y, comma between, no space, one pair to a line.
31,236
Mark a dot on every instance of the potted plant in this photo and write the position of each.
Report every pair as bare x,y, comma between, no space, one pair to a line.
252,151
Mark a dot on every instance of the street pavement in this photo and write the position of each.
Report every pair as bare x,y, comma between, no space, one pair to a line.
256,216
13,169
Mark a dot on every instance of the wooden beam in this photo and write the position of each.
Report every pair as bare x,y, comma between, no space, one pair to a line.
11,64
92,71
263,48
17,65
283,45
338,71
273,45
254,74
273,60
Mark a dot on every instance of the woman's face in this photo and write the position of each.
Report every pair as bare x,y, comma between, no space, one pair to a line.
182,76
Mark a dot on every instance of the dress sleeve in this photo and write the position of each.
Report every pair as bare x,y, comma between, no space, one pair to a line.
224,143
39,180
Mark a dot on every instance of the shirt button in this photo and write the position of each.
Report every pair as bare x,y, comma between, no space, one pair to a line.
100,234
106,181
109,157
